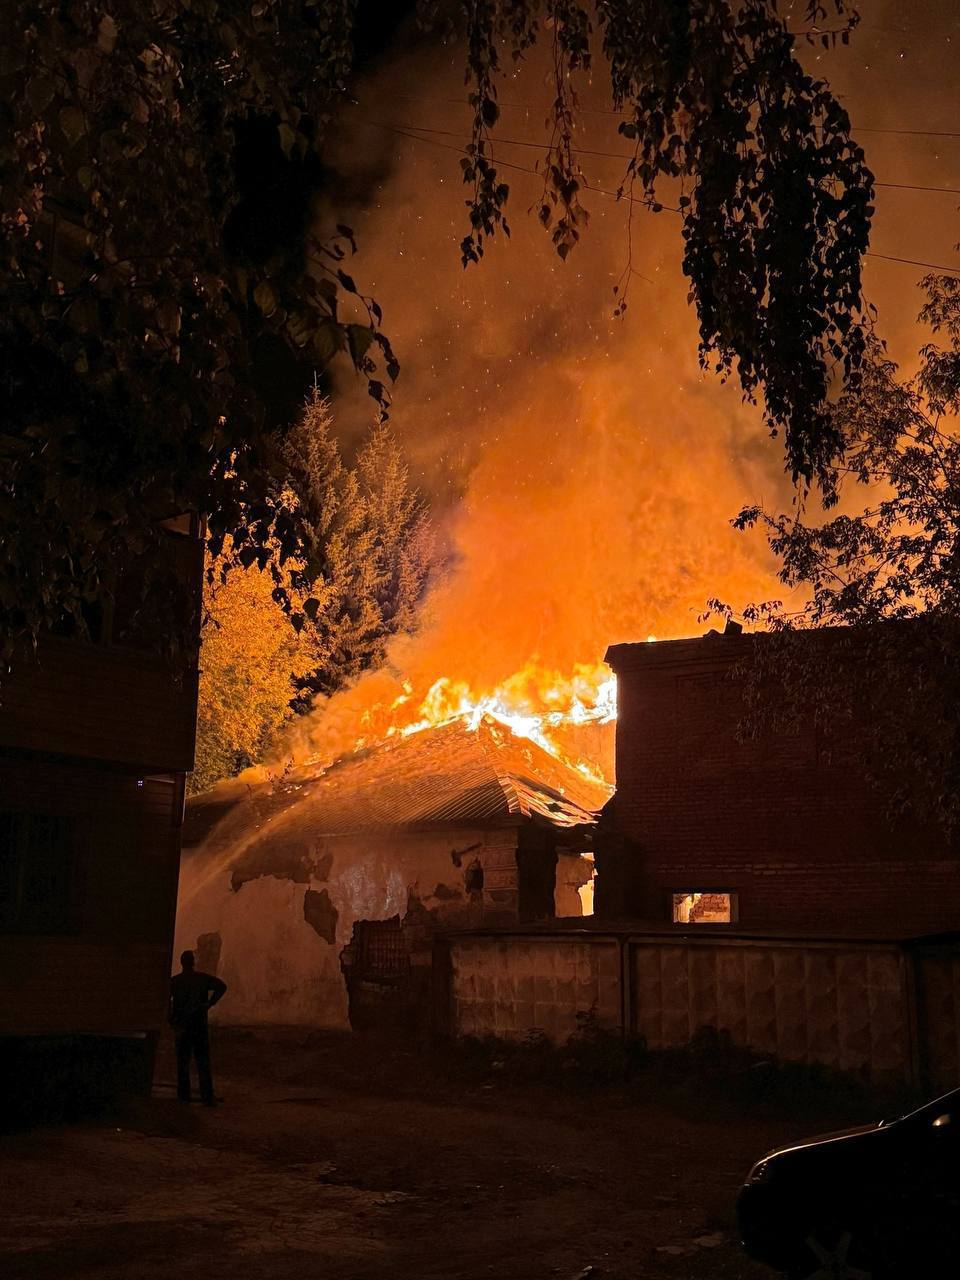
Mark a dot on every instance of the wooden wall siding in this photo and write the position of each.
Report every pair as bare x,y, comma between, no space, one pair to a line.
111,974
509,986
886,1011
938,1012
838,1006
60,986
97,702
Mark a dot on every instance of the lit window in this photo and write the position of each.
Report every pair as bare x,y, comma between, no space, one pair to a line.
700,907
586,890
573,886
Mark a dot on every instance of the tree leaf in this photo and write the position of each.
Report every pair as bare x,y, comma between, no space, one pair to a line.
72,123
359,338
265,298
328,339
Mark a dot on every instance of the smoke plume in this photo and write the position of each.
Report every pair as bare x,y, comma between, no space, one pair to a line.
583,469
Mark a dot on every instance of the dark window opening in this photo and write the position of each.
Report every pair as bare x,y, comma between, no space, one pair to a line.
37,873
380,949
376,967
473,877
536,881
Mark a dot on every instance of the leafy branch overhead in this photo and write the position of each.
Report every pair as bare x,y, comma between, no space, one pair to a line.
887,575
164,301
775,196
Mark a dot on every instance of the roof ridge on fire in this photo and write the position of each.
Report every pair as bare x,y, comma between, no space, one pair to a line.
449,775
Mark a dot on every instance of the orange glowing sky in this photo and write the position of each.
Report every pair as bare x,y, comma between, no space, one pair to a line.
583,469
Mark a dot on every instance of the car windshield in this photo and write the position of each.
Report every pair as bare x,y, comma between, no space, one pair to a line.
929,1110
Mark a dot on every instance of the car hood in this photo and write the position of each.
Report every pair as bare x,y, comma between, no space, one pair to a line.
801,1148
836,1135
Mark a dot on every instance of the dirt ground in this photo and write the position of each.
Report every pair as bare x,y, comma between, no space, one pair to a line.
334,1157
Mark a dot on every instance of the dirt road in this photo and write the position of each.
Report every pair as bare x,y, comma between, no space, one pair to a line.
328,1159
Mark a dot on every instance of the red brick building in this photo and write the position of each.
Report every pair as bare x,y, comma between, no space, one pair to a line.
771,832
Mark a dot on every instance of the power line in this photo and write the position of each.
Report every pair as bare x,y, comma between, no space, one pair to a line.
405,132
909,133
506,164
607,111
912,186
912,262
625,157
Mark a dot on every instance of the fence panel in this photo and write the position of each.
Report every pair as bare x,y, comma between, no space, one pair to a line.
840,1005
507,985
883,1010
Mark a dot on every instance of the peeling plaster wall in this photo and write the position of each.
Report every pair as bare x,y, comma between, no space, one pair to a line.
275,955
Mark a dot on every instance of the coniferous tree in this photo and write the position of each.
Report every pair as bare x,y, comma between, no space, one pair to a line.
376,548
398,522
263,659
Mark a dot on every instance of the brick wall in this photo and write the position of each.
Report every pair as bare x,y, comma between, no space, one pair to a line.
498,858
109,971
95,702
795,832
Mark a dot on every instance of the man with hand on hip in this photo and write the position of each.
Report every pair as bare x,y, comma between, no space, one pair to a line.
192,994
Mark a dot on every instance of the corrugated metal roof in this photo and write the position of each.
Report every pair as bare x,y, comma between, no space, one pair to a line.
451,775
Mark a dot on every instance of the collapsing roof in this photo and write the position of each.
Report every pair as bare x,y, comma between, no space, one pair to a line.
451,775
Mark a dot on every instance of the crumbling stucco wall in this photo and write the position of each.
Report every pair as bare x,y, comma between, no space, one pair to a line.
284,909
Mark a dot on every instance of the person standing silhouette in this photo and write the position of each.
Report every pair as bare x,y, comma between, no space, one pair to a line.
192,994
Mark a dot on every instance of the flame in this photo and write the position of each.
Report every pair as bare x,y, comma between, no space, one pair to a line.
583,469
590,697
554,710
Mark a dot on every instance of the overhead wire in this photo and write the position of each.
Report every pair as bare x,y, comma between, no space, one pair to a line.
625,157
407,132
608,111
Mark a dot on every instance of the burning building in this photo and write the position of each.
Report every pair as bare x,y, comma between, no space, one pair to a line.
358,864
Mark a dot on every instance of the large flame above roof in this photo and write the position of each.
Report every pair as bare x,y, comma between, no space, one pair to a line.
569,717
589,698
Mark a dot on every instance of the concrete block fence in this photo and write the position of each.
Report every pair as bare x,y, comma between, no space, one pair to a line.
886,1010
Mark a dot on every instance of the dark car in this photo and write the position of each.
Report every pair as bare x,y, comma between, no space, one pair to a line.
878,1201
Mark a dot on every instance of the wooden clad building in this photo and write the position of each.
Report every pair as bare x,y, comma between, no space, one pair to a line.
95,741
